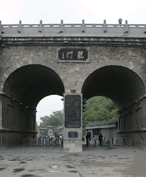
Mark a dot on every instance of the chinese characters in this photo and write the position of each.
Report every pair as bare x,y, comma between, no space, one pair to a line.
80,55
72,111
73,54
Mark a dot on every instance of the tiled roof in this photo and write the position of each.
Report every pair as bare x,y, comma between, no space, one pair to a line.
102,123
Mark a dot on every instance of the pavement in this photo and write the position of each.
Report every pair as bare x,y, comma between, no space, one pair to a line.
35,161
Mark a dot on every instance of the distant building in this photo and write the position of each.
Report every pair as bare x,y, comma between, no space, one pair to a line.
107,128
60,130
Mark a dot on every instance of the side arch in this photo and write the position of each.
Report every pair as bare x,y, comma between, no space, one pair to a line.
118,83
29,84
22,91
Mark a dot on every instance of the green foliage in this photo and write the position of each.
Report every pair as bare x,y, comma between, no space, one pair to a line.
37,127
55,120
99,109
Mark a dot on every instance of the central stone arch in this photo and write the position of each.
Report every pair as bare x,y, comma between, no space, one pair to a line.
127,90
23,89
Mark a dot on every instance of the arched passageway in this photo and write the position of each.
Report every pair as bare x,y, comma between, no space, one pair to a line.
120,84
23,89
48,105
126,89
31,83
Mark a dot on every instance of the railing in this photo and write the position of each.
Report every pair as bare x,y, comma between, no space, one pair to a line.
72,28
118,141
122,141
39,141
127,141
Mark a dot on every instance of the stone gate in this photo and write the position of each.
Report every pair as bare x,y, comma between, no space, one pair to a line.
75,61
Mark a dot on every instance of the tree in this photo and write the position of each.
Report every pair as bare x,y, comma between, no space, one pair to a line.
37,127
99,109
55,120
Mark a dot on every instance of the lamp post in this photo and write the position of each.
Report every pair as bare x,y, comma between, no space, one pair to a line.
120,21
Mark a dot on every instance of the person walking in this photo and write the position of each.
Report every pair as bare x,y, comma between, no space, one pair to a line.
87,138
24,139
100,138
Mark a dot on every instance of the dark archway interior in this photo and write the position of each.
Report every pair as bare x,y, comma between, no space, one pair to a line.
120,84
31,83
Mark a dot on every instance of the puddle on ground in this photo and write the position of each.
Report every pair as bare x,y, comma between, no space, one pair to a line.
40,169
125,158
2,168
16,170
29,159
12,160
1,157
15,159
120,158
29,175
73,171
22,162
69,166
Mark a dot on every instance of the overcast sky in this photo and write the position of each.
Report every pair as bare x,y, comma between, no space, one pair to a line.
70,11
48,105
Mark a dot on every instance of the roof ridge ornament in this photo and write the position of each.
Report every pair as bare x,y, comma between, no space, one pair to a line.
40,26
126,28
83,26
61,27
20,26
104,26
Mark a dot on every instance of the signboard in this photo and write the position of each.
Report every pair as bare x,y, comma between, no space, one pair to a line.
72,134
73,54
72,111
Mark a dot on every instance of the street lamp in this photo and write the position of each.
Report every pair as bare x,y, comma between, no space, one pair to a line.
120,21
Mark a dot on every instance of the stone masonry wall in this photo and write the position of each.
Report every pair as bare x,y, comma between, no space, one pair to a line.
73,75
16,117
133,123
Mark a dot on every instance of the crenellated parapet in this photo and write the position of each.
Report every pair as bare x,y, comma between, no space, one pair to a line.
83,29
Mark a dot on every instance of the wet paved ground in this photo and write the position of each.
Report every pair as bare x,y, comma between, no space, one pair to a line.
53,162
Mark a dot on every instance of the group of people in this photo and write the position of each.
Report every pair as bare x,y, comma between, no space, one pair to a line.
88,137
25,136
27,140
42,140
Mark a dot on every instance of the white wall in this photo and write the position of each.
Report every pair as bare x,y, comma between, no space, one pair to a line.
110,132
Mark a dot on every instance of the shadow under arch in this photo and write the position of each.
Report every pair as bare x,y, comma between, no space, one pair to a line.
29,84
118,83
23,89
